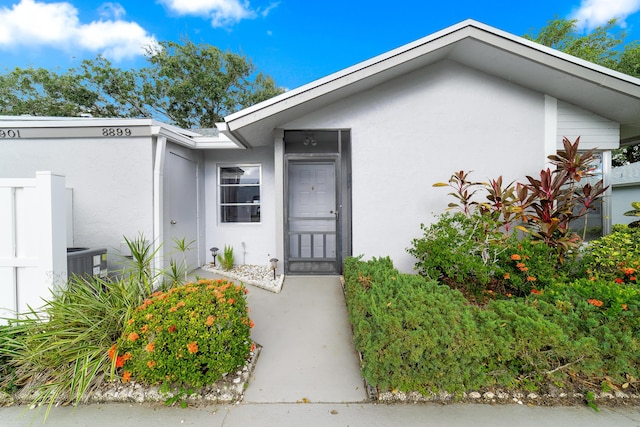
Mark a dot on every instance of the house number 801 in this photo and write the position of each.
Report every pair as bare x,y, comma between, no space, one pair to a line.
116,132
10,133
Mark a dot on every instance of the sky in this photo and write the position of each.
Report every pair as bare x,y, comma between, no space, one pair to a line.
293,41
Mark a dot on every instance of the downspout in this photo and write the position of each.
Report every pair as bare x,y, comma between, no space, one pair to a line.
158,205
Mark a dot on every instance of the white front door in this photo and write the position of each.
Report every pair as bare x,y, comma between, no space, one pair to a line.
312,217
182,221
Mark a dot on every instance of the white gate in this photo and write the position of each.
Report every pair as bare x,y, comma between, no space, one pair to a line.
33,241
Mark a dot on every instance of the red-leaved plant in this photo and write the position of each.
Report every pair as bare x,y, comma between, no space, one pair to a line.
545,207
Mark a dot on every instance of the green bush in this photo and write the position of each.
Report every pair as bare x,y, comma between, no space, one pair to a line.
605,257
413,334
188,336
469,253
416,335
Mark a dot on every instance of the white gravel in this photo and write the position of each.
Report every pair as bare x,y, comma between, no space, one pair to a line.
260,276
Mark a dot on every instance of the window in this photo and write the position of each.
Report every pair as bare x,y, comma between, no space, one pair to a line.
239,193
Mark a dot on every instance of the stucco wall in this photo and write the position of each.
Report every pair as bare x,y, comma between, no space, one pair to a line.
417,130
111,181
621,202
259,238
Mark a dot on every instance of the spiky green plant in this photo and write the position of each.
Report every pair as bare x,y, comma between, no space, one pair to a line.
227,260
59,353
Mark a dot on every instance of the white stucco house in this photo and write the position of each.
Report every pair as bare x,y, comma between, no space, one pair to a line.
341,166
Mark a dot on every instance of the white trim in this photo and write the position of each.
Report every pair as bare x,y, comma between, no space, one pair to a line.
278,164
550,127
158,201
607,202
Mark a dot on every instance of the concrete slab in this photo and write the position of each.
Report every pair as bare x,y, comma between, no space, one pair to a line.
322,414
308,352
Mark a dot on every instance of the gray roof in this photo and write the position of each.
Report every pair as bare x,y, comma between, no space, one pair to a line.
626,175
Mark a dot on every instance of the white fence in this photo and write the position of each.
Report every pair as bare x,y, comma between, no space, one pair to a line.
33,241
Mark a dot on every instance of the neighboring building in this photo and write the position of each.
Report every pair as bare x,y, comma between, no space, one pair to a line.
625,183
343,165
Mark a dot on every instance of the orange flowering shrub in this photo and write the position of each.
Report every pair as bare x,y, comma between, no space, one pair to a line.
187,336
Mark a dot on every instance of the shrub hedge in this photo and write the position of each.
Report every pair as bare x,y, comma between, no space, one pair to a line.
417,335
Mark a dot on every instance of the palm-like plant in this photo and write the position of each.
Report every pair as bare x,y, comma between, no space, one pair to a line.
634,212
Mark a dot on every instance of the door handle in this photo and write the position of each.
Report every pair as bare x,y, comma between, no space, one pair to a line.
174,222
335,213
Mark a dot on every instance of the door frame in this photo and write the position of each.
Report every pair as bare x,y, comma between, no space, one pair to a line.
314,158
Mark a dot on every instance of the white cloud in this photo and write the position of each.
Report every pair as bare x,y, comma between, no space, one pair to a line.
30,23
221,12
111,10
593,13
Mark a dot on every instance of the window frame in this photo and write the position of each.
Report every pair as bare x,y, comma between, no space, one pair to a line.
220,186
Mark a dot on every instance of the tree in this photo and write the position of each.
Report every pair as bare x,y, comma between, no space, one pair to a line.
187,85
603,46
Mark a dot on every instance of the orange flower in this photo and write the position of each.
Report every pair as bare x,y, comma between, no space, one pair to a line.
172,329
144,329
150,347
624,307
595,302
210,320
180,304
253,346
524,269
126,376
133,336
192,347
509,295
632,278
516,257
126,356
535,291
531,279
231,300
119,361
507,276
151,364
130,322
251,324
173,309
520,265
628,271
619,281
112,351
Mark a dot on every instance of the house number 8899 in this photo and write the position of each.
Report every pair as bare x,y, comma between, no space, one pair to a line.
116,132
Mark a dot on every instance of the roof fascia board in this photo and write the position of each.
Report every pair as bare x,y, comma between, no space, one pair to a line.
522,47
345,77
223,128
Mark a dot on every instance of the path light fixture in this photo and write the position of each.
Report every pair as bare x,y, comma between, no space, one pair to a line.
214,253
274,265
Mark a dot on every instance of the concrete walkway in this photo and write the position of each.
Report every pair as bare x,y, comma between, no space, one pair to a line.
308,356
308,352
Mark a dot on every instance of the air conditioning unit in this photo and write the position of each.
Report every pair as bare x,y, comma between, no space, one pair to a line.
87,262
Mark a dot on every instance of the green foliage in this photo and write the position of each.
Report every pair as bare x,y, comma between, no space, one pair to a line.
606,257
417,335
186,84
544,207
227,259
470,253
413,333
59,353
188,336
